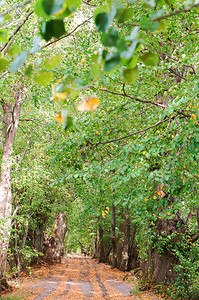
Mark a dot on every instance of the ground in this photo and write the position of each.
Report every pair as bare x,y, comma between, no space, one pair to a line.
79,277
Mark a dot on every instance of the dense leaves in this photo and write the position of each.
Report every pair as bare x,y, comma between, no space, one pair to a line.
112,130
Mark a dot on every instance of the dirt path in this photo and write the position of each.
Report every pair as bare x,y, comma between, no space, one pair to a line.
80,277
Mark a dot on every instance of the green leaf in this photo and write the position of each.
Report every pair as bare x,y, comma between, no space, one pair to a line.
52,28
47,6
43,78
58,7
29,70
40,11
124,15
130,75
73,4
18,61
3,36
150,3
3,64
13,50
36,47
67,120
121,45
102,21
132,62
130,50
150,59
112,61
133,35
52,62
147,25
110,38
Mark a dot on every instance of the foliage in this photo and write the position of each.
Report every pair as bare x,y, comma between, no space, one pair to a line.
123,83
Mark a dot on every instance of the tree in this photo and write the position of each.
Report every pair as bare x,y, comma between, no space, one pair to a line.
147,66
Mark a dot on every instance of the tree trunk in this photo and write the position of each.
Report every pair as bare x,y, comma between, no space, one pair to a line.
10,122
54,245
133,251
113,238
161,266
123,241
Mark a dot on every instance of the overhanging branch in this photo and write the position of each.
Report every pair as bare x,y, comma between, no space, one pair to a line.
135,133
66,35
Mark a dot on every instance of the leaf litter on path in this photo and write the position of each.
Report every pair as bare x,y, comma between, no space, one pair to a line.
79,277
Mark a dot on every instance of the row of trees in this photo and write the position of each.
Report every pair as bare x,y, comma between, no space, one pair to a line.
121,173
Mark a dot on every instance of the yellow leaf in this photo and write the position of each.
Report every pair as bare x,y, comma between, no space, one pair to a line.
194,116
144,152
59,96
154,197
91,103
58,118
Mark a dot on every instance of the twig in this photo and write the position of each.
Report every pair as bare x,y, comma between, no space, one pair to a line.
88,3
134,133
174,72
66,35
3,74
176,12
15,32
133,98
14,7
192,174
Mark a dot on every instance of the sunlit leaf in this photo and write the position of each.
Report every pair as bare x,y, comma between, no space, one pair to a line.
130,75
43,77
59,118
59,97
3,64
52,62
65,119
13,50
150,59
3,36
91,103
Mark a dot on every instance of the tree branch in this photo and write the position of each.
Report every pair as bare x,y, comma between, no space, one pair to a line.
176,12
88,3
192,174
66,35
134,133
7,45
14,7
133,98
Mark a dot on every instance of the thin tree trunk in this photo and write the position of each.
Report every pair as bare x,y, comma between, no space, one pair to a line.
10,123
113,238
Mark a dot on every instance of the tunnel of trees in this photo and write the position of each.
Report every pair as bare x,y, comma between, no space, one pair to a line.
99,136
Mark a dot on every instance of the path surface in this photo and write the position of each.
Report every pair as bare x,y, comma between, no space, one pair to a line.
80,277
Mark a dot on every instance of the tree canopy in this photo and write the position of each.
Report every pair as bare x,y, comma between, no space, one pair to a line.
107,134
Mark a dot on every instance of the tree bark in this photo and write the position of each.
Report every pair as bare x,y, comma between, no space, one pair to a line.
55,244
10,122
113,238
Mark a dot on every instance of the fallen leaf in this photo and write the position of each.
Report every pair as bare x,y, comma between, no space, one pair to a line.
91,103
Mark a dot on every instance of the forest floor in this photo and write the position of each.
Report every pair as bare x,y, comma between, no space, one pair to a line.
78,277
